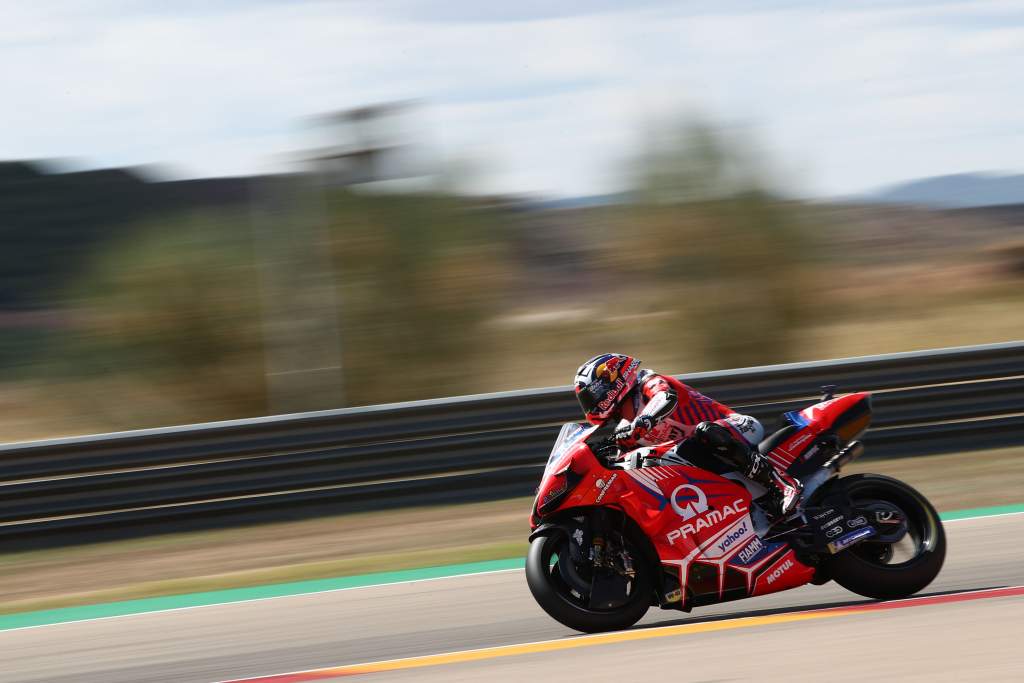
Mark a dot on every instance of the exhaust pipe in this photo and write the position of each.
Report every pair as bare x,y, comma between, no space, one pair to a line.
844,457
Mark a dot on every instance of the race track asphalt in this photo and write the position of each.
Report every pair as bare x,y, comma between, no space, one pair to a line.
969,640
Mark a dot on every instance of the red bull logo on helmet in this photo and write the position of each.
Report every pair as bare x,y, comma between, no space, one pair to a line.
615,374
609,369
620,385
613,394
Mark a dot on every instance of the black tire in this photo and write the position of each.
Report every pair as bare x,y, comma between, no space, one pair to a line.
865,568
554,596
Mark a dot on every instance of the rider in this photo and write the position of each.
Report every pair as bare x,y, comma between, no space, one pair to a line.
660,408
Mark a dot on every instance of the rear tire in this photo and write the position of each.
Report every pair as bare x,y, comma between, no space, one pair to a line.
555,597
865,568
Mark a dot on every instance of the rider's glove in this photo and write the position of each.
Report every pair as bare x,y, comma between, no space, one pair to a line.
642,424
636,429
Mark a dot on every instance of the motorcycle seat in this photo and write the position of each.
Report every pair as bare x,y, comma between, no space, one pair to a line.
775,439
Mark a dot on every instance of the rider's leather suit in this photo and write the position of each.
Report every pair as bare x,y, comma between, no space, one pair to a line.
660,408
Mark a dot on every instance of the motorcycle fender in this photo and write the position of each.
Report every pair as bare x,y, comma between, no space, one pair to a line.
565,526
574,527
545,529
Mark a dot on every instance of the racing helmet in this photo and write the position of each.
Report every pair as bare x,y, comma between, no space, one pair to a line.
602,383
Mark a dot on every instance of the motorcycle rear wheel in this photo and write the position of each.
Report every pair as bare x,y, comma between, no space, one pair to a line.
557,598
867,568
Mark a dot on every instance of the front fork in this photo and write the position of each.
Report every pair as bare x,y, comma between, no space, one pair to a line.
607,549
602,559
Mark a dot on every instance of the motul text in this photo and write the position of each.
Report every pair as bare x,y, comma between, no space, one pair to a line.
773,577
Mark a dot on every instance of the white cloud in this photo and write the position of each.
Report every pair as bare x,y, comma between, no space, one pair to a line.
855,96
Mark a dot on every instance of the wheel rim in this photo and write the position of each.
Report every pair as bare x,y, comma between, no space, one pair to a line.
907,529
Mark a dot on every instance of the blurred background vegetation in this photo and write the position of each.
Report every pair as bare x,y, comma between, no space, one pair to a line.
128,302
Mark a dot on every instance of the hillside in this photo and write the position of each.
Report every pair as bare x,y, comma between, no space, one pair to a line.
956,191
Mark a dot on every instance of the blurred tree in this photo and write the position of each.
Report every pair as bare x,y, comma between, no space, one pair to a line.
726,252
182,308
419,273
174,307
50,223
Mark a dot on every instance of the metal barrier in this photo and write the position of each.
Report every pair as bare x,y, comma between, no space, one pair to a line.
452,450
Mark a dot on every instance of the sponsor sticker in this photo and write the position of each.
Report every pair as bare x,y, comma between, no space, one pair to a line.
809,453
856,522
834,531
749,428
826,513
708,520
742,423
692,509
849,539
555,492
733,536
604,486
779,571
751,551
613,395
609,368
799,441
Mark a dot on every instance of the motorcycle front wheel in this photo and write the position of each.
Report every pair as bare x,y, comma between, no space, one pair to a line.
563,591
909,550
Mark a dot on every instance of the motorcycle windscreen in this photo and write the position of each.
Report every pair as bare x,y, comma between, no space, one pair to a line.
571,433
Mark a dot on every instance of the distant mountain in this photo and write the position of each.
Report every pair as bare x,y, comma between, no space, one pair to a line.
586,202
956,191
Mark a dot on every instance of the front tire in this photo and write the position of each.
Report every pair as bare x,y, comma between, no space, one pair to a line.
558,599
868,568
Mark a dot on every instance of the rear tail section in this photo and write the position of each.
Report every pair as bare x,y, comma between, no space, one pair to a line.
818,433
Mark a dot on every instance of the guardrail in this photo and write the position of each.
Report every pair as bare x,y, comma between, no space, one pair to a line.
452,450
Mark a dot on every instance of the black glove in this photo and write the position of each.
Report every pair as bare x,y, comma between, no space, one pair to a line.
636,429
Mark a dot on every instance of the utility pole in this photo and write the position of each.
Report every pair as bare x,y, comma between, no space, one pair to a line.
291,221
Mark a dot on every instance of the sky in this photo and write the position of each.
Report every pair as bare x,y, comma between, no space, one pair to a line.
532,96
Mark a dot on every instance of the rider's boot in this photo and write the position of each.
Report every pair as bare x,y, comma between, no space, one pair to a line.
783,490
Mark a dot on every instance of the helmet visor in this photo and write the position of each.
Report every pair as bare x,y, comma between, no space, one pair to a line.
591,395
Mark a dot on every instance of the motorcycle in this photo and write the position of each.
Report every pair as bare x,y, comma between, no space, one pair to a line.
615,533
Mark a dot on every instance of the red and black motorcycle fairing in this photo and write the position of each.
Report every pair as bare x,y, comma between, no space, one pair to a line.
699,523
815,433
818,441
613,535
